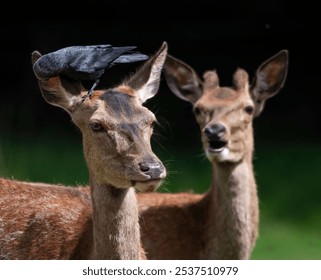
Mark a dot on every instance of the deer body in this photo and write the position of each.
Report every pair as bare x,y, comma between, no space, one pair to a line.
33,225
40,221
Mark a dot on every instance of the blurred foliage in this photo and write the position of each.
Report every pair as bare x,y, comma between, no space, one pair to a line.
281,240
48,158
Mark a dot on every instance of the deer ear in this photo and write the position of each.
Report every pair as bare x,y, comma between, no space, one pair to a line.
269,79
182,79
147,79
57,90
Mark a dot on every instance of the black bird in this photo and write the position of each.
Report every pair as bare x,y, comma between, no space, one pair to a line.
83,62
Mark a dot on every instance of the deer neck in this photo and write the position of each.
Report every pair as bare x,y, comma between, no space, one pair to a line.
115,223
232,220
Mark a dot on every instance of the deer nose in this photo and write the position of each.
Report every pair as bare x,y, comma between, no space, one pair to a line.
152,168
215,131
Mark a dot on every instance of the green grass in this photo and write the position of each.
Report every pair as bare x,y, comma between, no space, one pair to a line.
46,158
282,240
288,177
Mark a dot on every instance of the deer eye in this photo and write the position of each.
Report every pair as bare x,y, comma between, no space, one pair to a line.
96,127
249,109
152,124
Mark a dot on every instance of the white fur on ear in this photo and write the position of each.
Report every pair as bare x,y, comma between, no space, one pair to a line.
150,88
269,80
56,94
183,80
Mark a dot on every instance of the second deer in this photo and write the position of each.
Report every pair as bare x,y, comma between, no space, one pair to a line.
223,222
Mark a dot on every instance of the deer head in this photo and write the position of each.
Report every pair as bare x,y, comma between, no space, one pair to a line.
115,126
225,114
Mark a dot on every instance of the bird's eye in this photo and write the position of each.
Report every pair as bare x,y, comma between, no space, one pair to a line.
197,111
249,109
96,127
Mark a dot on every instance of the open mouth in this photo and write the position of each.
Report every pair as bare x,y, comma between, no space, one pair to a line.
216,146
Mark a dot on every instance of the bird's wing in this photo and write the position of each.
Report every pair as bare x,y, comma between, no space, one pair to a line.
84,62
129,58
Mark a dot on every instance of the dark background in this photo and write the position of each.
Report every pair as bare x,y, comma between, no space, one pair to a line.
38,142
223,35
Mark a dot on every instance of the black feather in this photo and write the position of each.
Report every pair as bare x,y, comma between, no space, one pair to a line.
84,62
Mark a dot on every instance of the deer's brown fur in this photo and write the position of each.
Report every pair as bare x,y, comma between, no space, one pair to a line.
40,221
223,222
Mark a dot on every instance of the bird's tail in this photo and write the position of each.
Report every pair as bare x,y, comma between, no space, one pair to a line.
127,55
129,58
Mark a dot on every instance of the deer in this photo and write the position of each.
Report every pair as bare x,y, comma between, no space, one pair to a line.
99,221
223,222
